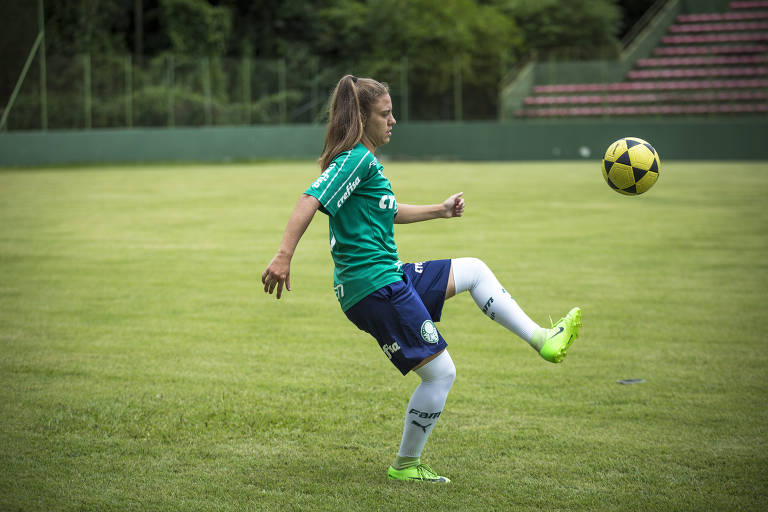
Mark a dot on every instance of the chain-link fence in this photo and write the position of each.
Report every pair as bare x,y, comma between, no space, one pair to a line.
96,91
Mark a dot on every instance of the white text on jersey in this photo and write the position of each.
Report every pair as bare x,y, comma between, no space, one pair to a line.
383,202
348,192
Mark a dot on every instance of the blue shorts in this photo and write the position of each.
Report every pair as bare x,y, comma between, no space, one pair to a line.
401,315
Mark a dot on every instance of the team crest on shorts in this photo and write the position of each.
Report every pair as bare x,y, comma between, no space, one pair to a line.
429,332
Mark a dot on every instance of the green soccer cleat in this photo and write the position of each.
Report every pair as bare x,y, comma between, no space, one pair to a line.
554,342
420,473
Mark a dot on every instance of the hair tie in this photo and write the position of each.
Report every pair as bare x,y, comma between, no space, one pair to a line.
354,78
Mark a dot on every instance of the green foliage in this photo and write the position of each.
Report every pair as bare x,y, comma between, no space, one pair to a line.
81,26
144,369
274,28
437,43
432,34
195,27
572,29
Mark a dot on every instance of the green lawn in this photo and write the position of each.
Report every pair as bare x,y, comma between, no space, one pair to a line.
143,368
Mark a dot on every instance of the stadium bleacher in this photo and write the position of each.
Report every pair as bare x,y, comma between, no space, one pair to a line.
759,4
696,72
707,64
708,96
735,108
701,61
725,16
718,27
679,85
711,50
714,38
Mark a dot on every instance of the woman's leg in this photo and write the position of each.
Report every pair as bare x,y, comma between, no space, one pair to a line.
424,409
473,275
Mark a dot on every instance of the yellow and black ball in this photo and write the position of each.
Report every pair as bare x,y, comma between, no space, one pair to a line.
631,166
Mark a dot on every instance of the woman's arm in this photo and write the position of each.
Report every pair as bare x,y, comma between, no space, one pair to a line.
279,269
451,207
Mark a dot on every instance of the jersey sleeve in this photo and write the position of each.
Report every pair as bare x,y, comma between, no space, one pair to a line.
334,186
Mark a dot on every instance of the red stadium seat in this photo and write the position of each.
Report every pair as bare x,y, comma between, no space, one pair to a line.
646,74
702,61
647,110
714,38
711,50
661,97
719,27
755,4
721,16
680,85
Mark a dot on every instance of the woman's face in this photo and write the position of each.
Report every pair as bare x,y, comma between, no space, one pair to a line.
378,125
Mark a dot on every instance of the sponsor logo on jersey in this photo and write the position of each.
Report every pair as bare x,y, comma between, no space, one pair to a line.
389,350
387,202
348,192
429,332
324,176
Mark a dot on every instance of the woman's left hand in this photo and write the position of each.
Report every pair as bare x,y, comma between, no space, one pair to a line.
454,205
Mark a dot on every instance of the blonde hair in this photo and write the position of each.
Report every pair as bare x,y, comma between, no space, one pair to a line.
350,104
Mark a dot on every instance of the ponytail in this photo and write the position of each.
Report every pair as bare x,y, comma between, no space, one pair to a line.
349,107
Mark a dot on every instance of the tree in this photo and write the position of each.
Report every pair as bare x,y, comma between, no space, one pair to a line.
87,26
194,27
434,35
441,40
575,28
272,28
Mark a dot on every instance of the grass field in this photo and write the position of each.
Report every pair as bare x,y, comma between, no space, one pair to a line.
143,368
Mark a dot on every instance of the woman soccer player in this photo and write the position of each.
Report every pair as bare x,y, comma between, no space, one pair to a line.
394,302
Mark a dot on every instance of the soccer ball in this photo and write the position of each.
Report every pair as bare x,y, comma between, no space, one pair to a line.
631,166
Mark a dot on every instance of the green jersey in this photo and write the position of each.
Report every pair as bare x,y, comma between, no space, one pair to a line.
361,210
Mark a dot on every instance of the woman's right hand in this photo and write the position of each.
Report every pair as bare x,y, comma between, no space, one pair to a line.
277,274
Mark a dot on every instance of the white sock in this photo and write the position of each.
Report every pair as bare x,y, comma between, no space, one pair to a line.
474,275
426,403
